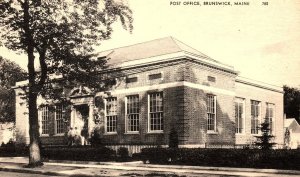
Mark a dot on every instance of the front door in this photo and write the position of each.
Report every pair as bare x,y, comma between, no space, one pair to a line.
81,122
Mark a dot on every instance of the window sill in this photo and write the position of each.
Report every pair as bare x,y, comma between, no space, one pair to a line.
155,132
110,133
44,135
212,133
255,134
132,133
60,134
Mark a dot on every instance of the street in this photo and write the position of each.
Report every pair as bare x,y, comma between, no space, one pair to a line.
15,174
105,173
14,166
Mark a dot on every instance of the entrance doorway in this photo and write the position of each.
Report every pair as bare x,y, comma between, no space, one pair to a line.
81,121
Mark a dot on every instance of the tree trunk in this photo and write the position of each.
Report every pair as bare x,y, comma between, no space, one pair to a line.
34,147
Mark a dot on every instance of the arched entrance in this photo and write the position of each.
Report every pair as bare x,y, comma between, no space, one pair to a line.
82,113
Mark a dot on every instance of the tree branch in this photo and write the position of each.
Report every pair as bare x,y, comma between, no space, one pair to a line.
30,47
43,64
21,2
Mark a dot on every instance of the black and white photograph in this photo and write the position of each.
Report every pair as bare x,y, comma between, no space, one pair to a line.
149,88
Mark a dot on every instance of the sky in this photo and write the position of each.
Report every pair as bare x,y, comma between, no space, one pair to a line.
262,42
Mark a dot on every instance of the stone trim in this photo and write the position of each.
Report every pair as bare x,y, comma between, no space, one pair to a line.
170,85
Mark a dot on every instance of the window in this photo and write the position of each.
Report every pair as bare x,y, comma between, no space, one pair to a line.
270,116
211,113
255,115
133,113
111,115
211,78
131,79
59,119
155,76
156,111
239,115
45,119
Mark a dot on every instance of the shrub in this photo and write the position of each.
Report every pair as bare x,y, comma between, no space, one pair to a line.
155,155
81,153
123,154
136,157
264,140
96,138
11,149
9,144
251,158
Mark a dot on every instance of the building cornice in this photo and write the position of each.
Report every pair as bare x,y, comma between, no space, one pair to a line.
168,58
259,84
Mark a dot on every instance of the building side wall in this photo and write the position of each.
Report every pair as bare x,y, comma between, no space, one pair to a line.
294,140
173,111
264,96
187,105
294,126
22,122
171,72
195,112
199,74
172,101
51,138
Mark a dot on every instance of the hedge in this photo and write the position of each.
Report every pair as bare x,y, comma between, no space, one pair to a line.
247,158
81,153
13,150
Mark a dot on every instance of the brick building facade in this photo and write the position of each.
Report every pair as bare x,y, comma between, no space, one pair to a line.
166,85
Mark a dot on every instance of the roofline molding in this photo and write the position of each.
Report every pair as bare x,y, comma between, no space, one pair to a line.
259,84
171,57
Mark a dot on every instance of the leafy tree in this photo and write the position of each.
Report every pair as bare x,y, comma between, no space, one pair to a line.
9,75
61,35
292,102
264,140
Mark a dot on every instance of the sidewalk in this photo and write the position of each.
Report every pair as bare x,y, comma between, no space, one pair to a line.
73,168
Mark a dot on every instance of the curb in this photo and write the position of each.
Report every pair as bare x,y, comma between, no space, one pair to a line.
258,170
139,164
30,171
42,172
95,163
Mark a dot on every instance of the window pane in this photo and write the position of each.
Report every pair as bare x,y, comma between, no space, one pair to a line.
156,111
133,111
131,79
155,76
45,120
255,114
111,114
211,115
239,113
270,116
59,118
